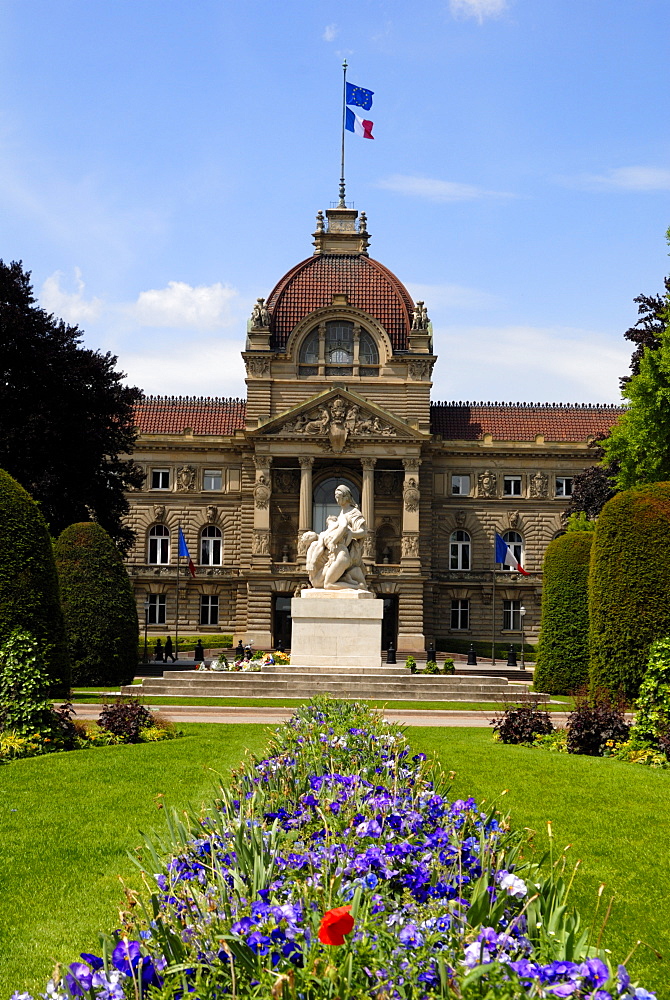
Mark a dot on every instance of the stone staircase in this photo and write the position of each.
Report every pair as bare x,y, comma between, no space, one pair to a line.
385,683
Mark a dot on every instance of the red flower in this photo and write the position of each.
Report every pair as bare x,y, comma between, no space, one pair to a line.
335,924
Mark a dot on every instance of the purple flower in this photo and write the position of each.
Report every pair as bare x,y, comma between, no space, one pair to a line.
97,963
126,956
242,926
79,978
562,989
259,943
411,936
595,970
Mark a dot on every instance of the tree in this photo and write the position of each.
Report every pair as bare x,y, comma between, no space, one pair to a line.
629,586
65,416
646,333
591,489
98,605
29,598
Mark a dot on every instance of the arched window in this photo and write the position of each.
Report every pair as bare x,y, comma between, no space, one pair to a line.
210,546
339,343
341,348
309,352
324,500
459,550
159,545
368,354
515,542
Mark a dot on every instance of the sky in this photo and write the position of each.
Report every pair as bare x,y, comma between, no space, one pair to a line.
162,163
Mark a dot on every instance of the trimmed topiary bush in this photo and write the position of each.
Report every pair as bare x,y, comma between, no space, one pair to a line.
29,599
98,605
563,648
629,586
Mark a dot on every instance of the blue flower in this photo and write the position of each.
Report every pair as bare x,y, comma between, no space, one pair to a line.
411,936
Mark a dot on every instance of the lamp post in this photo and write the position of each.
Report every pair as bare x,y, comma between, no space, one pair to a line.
146,628
522,612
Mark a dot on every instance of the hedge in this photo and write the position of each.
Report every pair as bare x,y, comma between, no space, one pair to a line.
450,644
29,598
98,605
629,586
187,642
563,648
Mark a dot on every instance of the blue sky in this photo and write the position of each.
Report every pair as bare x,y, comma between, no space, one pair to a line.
161,164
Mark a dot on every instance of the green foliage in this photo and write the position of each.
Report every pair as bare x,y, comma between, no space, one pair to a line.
449,667
410,663
652,720
431,667
29,598
98,605
186,642
24,686
629,586
563,649
580,522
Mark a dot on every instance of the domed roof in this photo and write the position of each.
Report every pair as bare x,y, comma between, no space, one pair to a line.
367,284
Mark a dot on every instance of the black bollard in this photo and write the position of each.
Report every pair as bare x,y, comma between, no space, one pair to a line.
239,651
511,656
472,656
430,652
247,653
390,653
199,654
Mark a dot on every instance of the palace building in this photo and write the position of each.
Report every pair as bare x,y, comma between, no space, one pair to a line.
339,362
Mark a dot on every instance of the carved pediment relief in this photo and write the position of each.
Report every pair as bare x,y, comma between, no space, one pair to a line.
338,418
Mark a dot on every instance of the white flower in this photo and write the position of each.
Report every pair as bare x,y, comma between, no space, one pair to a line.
516,887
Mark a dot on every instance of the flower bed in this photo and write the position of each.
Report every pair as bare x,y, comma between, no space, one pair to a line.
337,866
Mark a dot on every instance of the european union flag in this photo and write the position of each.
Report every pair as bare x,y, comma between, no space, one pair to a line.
359,96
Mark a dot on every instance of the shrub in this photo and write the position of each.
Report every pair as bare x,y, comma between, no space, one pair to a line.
29,598
652,719
431,667
563,648
24,686
126,718
98,605
410,663
596,721
521,724
629,586
449,667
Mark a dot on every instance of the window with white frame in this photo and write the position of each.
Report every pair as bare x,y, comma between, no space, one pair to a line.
515,542
512,616
512,486
156,609
460,613
159,545
459,550
209,609
212,479
210,546
563,486
460,486
160,479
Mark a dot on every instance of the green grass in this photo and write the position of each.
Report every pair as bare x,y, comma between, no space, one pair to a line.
560,705
616,816
66,822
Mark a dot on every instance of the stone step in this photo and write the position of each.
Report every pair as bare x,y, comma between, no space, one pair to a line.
328,680
379,675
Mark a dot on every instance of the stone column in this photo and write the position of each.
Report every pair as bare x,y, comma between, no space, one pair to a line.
261,542
305,513
368,506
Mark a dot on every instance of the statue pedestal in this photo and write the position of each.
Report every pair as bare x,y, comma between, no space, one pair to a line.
336,628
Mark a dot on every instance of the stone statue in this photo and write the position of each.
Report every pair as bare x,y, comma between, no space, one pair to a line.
334,557
417,316
260,316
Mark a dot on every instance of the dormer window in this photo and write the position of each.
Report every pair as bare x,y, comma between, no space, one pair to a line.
339,348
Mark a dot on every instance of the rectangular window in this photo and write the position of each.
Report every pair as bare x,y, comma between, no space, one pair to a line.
563,486
156,609
160,479
212,479
460,614
512,616
512,486
460,486
209,609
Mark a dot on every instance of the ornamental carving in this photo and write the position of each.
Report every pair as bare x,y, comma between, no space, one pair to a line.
419,371
387,484
539,485
186,479
262,491
260,543
263,462
411,495
486,484
338,420
410,546
303,543
460,518
514,518
212,514
411,464
258,367
420,319
260,317
368,547
286,481
159,512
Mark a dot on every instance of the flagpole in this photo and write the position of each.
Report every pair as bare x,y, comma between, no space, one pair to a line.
493,611
176,623
342,203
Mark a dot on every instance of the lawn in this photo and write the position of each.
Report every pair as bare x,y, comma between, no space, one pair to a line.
66,822
616,816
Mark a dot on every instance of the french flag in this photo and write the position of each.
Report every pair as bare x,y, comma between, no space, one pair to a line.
506,557
360,126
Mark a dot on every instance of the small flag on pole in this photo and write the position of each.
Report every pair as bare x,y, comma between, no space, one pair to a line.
359,96
183,552
506,557
360,126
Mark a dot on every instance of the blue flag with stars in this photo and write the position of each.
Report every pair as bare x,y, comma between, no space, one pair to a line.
359,96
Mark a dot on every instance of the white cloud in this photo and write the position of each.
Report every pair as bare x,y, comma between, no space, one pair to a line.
478,9
535,364
623,179
437,190
441,297
330,33
70,306
205,367
203,307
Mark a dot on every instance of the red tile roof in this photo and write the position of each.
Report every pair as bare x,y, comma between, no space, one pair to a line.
203,415
367,284
522,421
